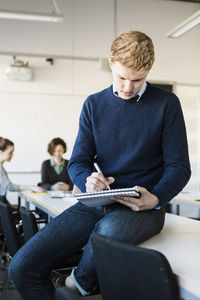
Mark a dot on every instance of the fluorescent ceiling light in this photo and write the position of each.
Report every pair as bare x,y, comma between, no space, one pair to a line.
30,16
185,26
18,15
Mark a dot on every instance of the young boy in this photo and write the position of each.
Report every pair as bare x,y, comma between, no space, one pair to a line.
137,134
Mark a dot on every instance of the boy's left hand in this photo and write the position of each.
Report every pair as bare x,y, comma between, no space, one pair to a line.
146,201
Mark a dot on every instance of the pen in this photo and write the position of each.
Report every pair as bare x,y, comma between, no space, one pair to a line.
99,171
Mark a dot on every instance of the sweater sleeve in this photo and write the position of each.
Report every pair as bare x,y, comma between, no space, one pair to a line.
44,177
81,162
5,183
176,172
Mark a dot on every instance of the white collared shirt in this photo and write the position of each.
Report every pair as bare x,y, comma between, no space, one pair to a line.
139,93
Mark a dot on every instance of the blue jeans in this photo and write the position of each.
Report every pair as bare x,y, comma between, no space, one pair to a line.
68,233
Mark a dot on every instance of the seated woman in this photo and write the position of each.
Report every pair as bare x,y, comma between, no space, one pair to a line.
6,153
54,171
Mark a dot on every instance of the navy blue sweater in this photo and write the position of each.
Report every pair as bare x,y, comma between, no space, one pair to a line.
138,143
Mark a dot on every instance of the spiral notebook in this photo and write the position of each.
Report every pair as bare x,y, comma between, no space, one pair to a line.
103,197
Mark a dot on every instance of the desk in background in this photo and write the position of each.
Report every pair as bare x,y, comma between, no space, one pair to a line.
179,241
189,199
51,206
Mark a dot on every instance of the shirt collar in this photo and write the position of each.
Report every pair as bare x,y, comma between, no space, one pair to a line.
138,95
52,162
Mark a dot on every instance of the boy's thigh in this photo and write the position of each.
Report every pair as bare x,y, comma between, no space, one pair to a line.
123,224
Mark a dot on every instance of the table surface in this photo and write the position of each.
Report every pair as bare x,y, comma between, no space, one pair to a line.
179,240
53,206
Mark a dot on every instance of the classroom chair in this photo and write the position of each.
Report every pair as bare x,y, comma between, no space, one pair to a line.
13,239
30,222
10,229
132,273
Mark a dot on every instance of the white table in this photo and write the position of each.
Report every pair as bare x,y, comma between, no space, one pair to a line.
51,206
179,241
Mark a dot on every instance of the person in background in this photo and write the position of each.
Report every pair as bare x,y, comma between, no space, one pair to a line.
54,174
6,153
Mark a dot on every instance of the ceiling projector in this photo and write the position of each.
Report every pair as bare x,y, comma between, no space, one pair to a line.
19,71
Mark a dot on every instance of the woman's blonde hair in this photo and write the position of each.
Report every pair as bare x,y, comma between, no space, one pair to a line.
133,49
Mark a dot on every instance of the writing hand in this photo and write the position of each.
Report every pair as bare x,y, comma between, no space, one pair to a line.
97,182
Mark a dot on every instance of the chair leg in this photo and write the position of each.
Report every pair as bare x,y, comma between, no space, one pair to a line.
2,251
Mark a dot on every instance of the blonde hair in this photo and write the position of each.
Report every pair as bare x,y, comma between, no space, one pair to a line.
133,49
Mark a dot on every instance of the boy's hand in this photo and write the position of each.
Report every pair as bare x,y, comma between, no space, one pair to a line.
97,182
146,201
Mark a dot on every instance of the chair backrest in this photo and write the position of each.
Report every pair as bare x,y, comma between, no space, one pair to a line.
3,198
132,273
13,240
29,223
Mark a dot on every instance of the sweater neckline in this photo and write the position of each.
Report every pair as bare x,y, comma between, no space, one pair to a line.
132,100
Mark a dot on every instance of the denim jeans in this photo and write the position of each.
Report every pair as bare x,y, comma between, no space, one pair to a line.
68,233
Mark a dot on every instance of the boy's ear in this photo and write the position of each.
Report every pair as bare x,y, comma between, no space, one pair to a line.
110,62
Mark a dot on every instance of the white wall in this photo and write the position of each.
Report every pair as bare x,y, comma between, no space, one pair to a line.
32,113
190,101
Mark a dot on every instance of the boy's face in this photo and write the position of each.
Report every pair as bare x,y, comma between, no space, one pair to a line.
127,82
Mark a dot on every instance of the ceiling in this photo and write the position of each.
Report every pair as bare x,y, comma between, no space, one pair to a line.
90,25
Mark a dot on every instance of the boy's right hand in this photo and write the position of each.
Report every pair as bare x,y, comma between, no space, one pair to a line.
97,182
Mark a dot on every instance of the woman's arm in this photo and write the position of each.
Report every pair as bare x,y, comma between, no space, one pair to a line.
5,183
35,188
